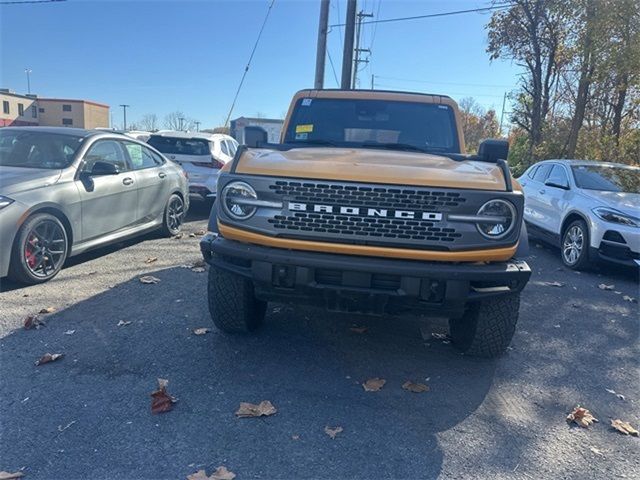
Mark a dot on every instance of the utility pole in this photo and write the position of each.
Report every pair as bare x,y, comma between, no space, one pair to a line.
347,54
321,52
372,77
28,72
357,61
197,126
124,111
504,101
180,120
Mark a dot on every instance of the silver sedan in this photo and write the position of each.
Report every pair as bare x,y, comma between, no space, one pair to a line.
64,191
590,209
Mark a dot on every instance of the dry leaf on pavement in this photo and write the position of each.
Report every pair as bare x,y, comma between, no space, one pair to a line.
46,310
415,387
221,473
32,321
627,298
161,401
264,408
581,416
49,357
553,284
199,263
595,450
373,384
198,269
624,427
619,395
332,432
358,329
151,260
201,331
10,476
200,233
149,279
69,332
123,323
602,286
178,236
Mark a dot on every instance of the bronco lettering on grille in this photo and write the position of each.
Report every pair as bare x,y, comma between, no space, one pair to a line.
364,212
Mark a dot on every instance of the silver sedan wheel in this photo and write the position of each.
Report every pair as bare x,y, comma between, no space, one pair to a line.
573,245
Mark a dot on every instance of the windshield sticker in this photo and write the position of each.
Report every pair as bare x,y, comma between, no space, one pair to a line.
306,102
302,136
304,128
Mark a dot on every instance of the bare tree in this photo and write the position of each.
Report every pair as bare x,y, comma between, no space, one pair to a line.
178,121
149,122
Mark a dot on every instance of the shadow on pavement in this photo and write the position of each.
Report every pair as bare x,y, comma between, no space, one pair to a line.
88,415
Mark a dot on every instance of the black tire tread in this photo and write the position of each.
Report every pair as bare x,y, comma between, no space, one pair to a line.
487,327
232,303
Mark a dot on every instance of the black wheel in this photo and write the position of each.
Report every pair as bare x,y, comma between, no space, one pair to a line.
39,251
173,216
575,245
487,327
232,303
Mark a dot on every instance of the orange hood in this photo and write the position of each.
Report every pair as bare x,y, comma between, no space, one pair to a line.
372,166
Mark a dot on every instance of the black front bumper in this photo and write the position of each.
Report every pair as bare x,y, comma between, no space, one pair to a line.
363,284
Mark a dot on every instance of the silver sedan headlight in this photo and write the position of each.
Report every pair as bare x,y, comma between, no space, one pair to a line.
614,216
239,200
5,201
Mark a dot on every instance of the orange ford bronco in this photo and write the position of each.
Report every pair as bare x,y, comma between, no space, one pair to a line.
369,205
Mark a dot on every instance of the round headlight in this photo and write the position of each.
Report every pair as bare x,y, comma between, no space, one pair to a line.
236,200
501,216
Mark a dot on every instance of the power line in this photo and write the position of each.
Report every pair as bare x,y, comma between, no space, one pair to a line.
460,94
413,80
246,69
333,69
433,15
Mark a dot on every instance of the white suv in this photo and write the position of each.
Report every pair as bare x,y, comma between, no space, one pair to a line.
590,209
201,155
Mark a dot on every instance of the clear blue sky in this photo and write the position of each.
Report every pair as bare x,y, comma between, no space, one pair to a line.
160,56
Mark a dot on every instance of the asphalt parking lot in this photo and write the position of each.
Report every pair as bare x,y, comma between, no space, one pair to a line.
88,415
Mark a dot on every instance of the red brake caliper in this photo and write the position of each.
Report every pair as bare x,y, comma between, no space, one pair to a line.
30,251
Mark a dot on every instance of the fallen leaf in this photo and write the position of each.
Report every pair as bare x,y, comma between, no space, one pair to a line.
440,336
415,387
627,298
32,321
151,260
613,392
9,476
553,284
221,473
264,408
178,236
624,427
123,323
161,401
149,279
373,384
358,329
295,437
198,269
200,233
199,263
69,332
581,416
595,450
192,235
332,432
602,286
49,357
44,311
201,331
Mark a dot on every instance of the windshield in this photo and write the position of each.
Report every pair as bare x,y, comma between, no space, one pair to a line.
607,178
373,124
20,148
180,146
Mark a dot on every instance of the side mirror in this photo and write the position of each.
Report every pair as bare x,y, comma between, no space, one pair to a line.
104,168
493,149
255,136
557,183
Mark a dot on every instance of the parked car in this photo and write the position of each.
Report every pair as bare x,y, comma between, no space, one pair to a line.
202,155
64,191
590,209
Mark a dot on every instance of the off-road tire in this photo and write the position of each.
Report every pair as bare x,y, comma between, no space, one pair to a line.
169,225
232,302
18,271
583,260
487,327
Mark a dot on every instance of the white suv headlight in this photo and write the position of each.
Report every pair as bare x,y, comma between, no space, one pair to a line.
239,200
501,218
614,216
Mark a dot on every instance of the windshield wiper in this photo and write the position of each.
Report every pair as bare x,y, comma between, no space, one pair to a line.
395,146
